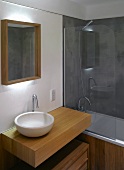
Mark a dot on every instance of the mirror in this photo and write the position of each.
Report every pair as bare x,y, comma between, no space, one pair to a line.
20,51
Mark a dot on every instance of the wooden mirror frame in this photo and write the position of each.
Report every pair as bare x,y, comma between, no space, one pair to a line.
4,52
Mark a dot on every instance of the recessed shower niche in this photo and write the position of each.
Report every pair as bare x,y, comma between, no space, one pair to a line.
20,52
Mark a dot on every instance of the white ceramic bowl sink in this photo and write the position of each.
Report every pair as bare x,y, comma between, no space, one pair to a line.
34,124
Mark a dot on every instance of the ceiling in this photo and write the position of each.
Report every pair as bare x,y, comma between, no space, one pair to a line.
82,9
95,2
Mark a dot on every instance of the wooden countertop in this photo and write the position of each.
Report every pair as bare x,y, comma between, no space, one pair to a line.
68,124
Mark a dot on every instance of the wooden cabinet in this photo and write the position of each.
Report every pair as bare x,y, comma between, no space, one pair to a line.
73,156
103,155
55,146
76,160
68,124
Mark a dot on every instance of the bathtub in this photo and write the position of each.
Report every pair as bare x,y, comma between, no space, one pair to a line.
107,128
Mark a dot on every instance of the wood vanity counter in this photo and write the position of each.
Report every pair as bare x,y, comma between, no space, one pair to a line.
68,124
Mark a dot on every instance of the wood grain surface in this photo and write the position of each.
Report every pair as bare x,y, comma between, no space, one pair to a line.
68,124
104,155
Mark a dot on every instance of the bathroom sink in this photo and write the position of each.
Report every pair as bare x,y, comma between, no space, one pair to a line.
34,124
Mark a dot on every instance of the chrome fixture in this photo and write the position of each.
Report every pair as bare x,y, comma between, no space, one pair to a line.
80,107
87,25
34,102
89,82
83,28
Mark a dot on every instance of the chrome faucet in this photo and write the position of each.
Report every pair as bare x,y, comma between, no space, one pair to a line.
34,102
82,108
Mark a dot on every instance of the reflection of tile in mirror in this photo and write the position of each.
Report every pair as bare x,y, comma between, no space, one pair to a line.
21,49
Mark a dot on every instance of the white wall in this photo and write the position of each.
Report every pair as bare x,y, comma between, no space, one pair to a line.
15,99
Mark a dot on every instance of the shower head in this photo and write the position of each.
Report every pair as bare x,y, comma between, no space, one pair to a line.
87,25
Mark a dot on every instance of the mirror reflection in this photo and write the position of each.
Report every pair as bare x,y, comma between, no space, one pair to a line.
21,51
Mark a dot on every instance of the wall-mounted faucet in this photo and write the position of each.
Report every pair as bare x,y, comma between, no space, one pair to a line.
34,102
81,107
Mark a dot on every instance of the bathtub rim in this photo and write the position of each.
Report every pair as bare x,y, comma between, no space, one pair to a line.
110,140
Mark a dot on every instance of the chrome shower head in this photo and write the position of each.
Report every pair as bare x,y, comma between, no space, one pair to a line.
87,25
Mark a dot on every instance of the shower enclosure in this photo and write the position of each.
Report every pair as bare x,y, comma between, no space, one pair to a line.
94,74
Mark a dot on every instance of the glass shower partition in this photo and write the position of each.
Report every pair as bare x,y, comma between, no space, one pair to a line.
89,75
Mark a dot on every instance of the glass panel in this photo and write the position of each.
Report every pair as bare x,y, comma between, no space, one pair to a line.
89,81
100,80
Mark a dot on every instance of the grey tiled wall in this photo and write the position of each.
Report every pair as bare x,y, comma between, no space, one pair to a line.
72,78
108,72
